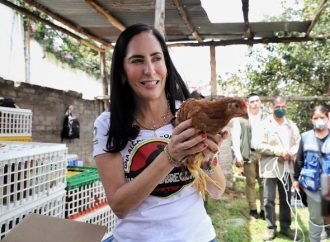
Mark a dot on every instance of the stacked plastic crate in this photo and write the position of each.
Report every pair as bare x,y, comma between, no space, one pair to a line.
15,124
86,200
32,180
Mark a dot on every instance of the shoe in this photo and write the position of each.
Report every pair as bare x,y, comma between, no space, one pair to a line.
254,214
290,234
269,235
262,215
327,230
323,235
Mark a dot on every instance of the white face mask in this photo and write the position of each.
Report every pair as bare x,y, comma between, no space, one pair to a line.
320,124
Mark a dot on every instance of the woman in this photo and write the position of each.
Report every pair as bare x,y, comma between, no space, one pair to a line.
312,158
153,197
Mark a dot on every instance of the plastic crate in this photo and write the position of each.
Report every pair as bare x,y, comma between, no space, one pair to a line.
73,160
100,216
15,124
52,205
29,172
85,191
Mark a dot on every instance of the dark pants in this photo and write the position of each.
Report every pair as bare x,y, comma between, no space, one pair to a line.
270,185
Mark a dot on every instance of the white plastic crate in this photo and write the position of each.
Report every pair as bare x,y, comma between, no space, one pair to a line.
84,198
53,205
15,122
30,171
100,216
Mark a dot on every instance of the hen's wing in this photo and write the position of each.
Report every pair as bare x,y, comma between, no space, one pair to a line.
212,117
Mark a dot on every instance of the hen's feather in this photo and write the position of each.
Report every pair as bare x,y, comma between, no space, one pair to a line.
210,116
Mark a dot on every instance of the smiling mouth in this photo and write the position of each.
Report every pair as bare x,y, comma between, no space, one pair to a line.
149,83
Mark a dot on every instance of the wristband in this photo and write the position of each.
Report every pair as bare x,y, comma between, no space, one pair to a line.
172,161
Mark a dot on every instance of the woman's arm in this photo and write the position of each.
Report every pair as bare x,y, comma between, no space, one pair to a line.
298,165
125,196
299,162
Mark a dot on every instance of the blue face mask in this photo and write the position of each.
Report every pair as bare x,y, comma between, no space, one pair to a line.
279,112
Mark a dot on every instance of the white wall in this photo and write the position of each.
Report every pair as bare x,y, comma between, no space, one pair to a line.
43,71
11,45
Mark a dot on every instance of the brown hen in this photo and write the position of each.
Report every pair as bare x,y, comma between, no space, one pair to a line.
210,116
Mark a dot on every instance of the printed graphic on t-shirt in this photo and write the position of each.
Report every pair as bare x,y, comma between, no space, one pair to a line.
142,153
95,140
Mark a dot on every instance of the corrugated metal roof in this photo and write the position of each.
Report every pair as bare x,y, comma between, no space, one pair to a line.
132,11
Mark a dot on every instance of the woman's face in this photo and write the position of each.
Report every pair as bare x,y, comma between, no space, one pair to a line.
319,120
144,66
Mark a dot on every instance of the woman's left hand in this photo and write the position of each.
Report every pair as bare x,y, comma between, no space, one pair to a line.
213,142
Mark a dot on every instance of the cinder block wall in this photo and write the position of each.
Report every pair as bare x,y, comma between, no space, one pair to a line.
48,107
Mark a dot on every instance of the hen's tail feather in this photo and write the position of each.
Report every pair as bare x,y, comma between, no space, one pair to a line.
201,177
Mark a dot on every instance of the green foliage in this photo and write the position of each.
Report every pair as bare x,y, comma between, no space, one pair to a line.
233,86
294,69
64,48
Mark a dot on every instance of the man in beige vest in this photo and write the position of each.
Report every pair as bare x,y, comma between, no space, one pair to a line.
245,136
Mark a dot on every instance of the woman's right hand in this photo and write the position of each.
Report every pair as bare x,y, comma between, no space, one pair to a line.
296,186
186,140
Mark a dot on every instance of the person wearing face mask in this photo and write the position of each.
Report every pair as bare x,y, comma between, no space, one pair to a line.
278,147
328,120
313,158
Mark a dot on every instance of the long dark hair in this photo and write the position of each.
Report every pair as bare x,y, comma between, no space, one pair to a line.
122,105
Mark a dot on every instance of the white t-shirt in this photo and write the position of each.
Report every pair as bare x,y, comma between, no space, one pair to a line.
174,212
256,133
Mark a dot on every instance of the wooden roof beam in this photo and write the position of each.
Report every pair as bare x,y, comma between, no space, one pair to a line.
317,16
98,8
31,15
247,27
67,23
186,20
159,22
250,41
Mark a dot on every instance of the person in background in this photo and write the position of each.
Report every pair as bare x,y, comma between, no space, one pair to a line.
245,137
196,94
313,154
329,120
278,147
139,152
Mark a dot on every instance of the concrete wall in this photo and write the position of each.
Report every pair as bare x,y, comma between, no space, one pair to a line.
48,107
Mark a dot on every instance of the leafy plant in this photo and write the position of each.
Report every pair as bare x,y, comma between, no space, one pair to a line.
63,47
294,69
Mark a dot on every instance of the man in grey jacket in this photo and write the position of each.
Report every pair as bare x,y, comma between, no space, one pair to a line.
278,148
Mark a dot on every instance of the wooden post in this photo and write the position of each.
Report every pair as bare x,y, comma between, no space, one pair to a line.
160,16
27,51
104,81
213,81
